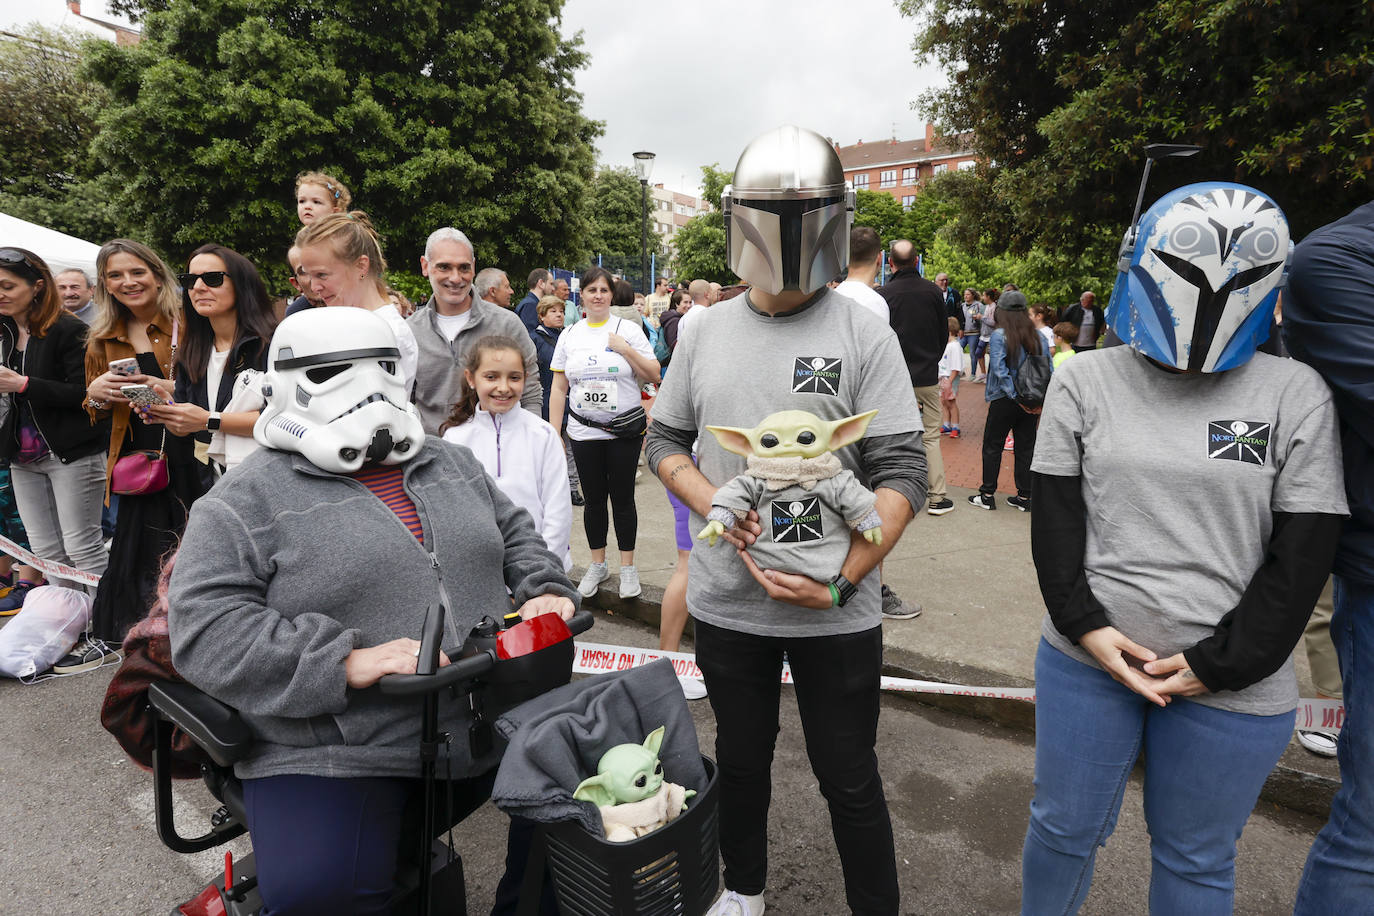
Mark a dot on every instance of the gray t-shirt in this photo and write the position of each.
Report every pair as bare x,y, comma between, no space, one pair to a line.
739,366
1181,476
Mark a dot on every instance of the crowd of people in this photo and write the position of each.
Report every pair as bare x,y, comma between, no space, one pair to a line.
137,401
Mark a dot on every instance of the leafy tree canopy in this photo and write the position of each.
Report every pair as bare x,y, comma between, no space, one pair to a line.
46,127
618,215
700,245
457,114
1063,94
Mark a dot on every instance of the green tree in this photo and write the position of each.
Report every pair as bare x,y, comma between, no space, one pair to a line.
1063,94
618,216
46,129
699,246
458,114
881,212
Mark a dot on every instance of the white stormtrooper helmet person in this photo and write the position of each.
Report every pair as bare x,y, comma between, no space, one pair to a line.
788,212
335,392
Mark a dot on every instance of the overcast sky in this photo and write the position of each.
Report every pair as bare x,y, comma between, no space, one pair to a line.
694,80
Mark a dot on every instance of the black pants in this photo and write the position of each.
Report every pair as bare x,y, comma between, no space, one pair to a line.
836,680
607,468
1006,416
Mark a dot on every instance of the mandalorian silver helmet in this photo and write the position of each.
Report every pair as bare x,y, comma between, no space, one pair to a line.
788,212
335,392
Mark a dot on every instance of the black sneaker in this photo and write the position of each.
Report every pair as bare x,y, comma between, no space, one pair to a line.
940,506
1019,502
577,499
982,501
87,654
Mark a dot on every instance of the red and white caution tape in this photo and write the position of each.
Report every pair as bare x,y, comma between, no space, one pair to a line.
596,658
57,570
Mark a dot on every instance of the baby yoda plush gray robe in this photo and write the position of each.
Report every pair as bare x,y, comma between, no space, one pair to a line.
806,519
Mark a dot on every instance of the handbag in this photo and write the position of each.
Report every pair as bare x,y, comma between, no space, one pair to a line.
125,712
142,472
629,425
145,471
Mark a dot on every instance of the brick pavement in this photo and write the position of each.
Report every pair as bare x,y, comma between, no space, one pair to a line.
964,456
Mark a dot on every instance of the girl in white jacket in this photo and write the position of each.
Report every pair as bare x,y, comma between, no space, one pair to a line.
521,451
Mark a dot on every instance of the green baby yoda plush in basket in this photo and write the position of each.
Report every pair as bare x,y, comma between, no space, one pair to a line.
630,790
806,500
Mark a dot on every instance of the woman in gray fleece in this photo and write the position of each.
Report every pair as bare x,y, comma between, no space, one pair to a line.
295,590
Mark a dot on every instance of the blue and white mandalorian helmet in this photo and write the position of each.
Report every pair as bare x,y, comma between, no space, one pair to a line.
788,211
335,392
1197,289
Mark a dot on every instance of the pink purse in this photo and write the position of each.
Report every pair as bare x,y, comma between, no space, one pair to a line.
140,473
143,472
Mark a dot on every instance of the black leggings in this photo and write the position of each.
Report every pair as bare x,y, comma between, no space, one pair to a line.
1006,416
607,468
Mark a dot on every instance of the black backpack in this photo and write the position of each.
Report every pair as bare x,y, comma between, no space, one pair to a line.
1032,379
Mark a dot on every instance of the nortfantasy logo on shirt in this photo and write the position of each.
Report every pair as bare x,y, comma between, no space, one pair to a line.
1238,440
797,520
816,375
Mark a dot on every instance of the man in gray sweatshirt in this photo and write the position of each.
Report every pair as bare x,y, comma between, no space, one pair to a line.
457,319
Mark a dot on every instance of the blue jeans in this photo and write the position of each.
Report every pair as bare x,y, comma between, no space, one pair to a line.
1204,769
1339,877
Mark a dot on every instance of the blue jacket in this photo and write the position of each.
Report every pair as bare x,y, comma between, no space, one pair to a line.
545,341
528,310
1000,375
1328,323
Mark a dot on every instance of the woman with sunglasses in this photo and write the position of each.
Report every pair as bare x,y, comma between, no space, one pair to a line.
133,341
54,452
229,324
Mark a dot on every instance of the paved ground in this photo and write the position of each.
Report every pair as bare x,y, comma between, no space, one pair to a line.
76,823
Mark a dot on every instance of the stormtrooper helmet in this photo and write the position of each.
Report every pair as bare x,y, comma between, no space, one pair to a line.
1199,277
788,212
335,392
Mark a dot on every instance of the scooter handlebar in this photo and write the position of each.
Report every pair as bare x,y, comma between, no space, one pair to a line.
463,669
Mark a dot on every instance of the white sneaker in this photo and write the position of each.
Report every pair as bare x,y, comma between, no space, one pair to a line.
692,688
629,582
1320,743
596,574
733,904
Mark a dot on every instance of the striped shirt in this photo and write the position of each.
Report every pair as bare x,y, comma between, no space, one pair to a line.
385,484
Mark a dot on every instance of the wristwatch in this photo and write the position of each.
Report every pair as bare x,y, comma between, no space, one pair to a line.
845,589
212,423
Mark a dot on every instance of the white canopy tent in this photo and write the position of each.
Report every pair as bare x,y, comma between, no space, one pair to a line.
61,251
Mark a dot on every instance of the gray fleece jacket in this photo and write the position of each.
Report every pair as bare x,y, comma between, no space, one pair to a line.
439,376
285,569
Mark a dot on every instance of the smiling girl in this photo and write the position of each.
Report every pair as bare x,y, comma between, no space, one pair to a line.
342,264
139,318
519,450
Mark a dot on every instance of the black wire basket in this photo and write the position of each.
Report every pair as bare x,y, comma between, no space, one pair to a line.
673,870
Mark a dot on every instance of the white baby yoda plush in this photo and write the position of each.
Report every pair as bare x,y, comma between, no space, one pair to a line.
630,791
806,500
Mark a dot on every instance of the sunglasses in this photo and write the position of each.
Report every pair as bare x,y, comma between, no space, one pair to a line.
11,258
213,279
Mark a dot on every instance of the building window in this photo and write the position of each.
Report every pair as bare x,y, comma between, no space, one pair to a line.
887,178
861,180
941,167
907,201
966,165
909,175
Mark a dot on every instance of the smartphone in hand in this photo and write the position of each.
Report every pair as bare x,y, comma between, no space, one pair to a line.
142,395
127,366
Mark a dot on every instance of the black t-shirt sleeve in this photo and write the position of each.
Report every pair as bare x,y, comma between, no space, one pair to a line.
1255,637
1059,540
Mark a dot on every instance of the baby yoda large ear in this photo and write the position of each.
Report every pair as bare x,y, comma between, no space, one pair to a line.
655,740
733,440
595,789
850,429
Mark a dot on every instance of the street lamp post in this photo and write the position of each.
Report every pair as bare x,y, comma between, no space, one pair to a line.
644,165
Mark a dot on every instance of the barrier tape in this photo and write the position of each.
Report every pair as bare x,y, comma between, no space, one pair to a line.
56,570
597,658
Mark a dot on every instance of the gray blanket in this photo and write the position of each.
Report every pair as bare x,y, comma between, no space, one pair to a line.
557,739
